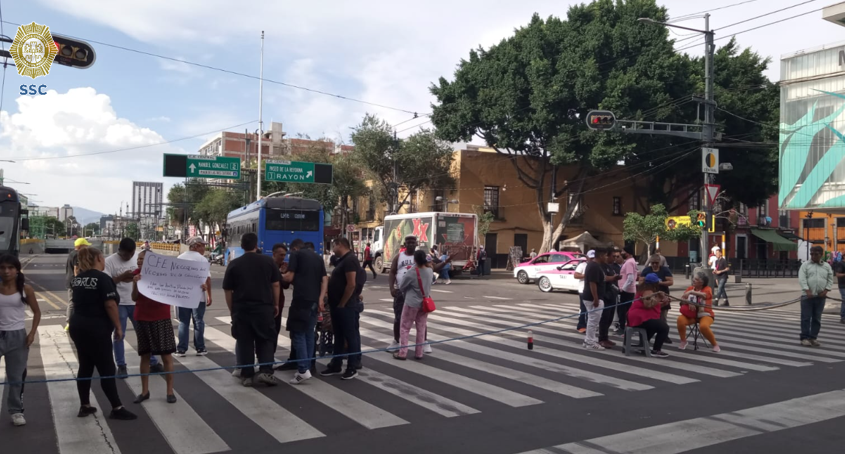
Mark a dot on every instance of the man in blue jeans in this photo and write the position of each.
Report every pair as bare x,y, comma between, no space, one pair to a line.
196,252
307,273
119,267
816,279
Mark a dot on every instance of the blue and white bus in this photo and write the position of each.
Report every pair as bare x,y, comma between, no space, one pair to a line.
275,220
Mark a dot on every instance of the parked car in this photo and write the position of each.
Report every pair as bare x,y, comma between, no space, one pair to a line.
527,271
561,277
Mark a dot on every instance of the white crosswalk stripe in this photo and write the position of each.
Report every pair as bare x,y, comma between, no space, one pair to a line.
462,377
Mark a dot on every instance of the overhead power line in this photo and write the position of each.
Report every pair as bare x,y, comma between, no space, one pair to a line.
236,73
764,15
685,16
50,158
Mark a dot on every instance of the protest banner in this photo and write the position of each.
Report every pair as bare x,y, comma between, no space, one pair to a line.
172,281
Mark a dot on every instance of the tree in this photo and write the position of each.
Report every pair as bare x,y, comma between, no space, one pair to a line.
348,182
421,161
646,228
92,227
183,199
485,218
527,96
215,206
132,231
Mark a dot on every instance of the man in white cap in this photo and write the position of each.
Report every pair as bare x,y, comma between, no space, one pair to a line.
196,253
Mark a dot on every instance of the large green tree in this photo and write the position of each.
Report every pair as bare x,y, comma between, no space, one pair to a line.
415,163
183,199
528,95
216,205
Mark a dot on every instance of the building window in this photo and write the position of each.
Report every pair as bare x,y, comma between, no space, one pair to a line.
743,209
695,199
439,205
783,219
617,206
413,198
491,200
763,210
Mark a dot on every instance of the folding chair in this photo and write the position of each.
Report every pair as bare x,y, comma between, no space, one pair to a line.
695,334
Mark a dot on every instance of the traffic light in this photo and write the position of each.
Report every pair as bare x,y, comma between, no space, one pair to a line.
73,52
601,120
702,220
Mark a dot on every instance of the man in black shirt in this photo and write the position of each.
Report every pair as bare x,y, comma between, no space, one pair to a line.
307,273
611,293
344,304
251,285
593,296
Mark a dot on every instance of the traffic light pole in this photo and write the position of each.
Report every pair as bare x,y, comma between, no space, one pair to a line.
709,134
260,122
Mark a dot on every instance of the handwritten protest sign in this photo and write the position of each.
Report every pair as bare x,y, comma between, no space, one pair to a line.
172,281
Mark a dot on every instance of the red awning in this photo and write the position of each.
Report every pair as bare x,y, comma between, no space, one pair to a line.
330,232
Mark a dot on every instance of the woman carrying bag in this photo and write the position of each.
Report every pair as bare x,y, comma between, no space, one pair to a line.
416,285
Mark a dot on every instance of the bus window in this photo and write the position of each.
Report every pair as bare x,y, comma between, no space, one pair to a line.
298,221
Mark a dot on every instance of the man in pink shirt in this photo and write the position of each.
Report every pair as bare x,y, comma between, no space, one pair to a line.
627,286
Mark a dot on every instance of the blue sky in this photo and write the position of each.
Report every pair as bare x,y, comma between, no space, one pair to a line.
380,51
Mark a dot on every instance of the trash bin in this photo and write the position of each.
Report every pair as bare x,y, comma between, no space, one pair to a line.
487,262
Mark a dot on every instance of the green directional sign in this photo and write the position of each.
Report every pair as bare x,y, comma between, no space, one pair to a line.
213,167
298,172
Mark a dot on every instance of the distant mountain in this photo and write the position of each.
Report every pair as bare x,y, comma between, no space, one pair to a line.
84,216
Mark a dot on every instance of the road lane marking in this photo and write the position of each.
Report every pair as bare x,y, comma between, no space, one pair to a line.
497,298
73,435
352,407
441,291
184,430
691,434
45,293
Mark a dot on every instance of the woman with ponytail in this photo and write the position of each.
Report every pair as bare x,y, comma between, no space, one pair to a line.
94,318
15,295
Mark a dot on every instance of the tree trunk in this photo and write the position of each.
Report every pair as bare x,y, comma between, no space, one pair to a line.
548,233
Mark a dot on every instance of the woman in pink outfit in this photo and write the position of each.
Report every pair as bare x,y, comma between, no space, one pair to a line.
416,285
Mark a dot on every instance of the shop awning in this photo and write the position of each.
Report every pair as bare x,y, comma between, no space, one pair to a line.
778,242
789,236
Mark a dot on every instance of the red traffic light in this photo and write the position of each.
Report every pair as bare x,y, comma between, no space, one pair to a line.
73,52
601,119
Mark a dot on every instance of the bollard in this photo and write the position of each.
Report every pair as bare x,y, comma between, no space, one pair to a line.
687,270
738,276
748,293
530,340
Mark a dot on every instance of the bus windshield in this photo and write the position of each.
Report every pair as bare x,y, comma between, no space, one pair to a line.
8,220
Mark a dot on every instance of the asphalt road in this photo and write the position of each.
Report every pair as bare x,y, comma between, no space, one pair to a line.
762,393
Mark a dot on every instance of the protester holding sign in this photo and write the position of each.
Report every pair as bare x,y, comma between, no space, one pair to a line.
195,311
155,336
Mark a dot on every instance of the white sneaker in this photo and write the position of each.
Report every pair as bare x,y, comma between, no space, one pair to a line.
593,346
299,378
394,346
237,372
427,349
270,380
683,345
18,419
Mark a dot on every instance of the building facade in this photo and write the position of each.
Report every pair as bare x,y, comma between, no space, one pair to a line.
147,199
65,212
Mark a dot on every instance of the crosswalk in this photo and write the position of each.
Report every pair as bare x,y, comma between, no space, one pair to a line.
472,375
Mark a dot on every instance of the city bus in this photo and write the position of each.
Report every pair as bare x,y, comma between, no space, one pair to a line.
11,221
275,220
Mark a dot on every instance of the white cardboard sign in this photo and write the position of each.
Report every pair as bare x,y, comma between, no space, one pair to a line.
172,281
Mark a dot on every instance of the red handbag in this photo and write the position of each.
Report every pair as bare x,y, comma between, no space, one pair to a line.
427,303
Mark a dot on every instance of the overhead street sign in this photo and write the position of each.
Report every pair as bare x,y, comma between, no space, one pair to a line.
213,167
710,160
298,172
712,192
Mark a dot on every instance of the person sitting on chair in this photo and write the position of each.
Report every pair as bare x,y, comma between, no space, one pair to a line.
700,307
645,313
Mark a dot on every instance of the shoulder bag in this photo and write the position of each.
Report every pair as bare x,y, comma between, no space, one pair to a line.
427,303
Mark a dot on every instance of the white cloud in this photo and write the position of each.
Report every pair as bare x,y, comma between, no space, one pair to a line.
162,119
79,122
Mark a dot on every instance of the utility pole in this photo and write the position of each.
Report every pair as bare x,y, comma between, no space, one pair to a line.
709,132
552,187
260,112
394,185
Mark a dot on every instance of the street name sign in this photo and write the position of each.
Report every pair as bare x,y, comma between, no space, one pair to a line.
298,172
213,167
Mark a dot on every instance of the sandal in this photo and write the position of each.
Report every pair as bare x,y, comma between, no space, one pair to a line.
400,358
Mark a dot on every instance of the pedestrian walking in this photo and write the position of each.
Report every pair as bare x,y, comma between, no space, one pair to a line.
71,270
816,279
627,287
307,273
720,269
95,317
120,267
196,252
533,254
15,296
593,296
402,262
344,306
482,262
155,336
368,260
415,285
446,270
610,296
251,286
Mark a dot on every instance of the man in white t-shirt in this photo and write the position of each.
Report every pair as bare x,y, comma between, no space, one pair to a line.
713,259
196,253
120,267
579,274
